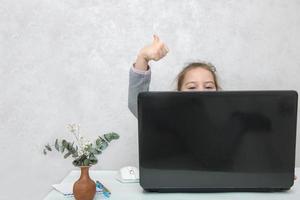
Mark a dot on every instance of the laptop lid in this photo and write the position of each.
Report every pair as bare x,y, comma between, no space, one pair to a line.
228,140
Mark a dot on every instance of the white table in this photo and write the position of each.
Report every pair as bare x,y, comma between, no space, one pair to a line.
133,191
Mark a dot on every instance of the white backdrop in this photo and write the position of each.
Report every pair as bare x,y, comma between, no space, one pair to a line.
67,61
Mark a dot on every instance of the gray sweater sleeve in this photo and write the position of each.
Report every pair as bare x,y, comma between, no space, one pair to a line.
138,82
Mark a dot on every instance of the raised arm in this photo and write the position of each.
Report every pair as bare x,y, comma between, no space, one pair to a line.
140,73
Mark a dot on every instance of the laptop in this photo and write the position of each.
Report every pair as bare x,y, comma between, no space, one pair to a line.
217,141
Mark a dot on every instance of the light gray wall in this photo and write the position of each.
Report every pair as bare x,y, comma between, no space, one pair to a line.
67,61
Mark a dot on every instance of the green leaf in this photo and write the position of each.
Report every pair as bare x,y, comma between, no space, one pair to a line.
86,162
75,155
98,142
74,152
92,157
79,161
76,163
68,146
103,144
101,140
67,154
48,147
96,151
111,136
89,148
64,143
56,145
92,150
93,162
62,148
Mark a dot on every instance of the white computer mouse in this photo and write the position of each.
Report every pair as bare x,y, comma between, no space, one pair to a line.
128,174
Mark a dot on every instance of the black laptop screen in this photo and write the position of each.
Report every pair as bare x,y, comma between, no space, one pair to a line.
248,132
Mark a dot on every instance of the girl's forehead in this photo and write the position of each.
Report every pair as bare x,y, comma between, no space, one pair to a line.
198,75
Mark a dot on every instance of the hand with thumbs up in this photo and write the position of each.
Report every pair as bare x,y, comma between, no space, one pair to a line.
155,51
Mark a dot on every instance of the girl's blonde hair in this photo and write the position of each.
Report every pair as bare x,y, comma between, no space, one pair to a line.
193,65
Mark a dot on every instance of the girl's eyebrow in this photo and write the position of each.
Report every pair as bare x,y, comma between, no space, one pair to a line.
196,82
190,82
209,82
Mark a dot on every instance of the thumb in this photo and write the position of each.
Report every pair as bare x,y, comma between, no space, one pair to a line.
155,38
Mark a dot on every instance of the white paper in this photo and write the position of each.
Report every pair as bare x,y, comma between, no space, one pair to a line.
67,188
64,188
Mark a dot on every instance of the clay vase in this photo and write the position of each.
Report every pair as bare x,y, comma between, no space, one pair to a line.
84,188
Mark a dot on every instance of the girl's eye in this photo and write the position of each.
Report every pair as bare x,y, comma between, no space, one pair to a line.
210,87
191,88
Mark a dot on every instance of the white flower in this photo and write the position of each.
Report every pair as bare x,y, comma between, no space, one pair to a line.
82,143
72,127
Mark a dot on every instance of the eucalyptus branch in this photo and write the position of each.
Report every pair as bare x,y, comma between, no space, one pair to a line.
84,153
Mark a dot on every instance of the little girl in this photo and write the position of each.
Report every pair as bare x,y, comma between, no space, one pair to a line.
198,76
